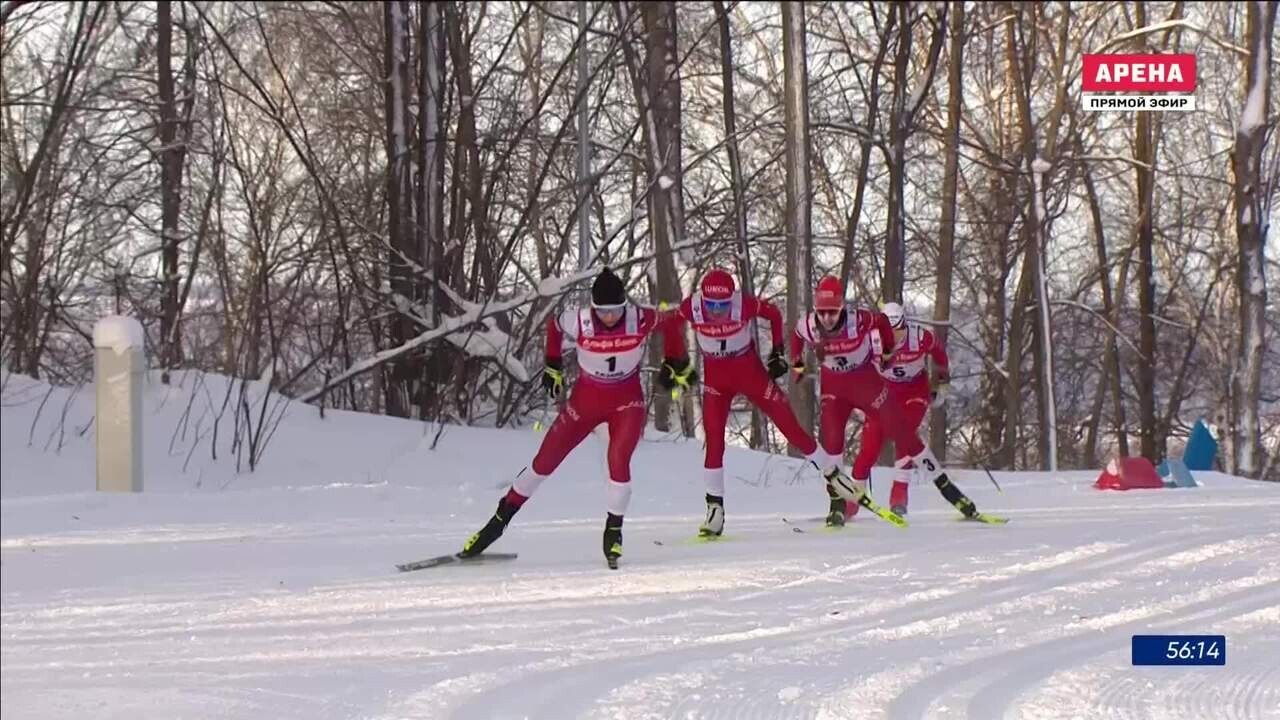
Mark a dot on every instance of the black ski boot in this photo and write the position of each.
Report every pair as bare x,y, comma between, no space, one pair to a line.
953,495
613,540
835,515
492,530
713,526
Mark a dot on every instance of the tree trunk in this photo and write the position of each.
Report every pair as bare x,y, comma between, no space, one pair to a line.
401,391
901,126
895,231
737,184
864,161
657,91
1110,357
1144,153
947,229
1011,398
1146,289
584,142
798,193
664,91
1013,361
531,41
1253,211
171,156
430,217
996,229
1117,380
1035,167
664,87
1039,160
468,139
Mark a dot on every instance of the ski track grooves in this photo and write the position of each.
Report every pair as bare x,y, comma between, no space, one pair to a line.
572,686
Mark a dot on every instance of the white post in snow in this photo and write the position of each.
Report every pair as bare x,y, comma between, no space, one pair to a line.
1039,167
118,366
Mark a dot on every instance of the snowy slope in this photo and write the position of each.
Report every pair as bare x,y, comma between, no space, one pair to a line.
273,594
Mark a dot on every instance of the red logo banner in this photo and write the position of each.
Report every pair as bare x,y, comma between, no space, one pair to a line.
1139,73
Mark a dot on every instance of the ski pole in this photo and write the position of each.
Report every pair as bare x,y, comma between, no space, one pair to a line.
992,477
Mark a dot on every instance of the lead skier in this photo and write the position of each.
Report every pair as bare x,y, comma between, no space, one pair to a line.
610,338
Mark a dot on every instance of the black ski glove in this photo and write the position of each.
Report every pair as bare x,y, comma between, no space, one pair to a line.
777,363
677,371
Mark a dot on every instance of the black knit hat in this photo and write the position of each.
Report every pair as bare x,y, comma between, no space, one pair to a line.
608,289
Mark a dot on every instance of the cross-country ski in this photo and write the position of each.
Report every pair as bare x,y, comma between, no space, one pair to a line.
454,558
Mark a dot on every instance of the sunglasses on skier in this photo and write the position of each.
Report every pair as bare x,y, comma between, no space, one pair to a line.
610,311
717,307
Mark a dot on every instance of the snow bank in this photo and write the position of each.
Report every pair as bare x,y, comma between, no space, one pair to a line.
192,438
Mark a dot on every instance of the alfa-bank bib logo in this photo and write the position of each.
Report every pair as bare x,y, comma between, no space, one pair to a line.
1139,82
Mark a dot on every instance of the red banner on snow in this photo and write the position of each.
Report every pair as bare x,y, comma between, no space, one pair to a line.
1139,73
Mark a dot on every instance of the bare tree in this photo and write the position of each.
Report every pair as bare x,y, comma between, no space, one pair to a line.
947,230
402,390
1254,192
799,194
36,170
1144,168
1110,355
430,188
736,183
657,91
866,142
175,134
402,256
1039,150
906,102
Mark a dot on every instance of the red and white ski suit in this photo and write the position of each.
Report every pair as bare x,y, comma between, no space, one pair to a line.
850,379
906,374
607,390
731,367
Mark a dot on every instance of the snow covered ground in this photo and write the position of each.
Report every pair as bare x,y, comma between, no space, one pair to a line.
274,594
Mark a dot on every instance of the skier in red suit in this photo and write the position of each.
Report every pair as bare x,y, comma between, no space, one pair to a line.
841,336
610,337
906,374
723,320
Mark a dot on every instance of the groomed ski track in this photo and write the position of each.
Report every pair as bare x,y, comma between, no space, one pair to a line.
275,594
942,619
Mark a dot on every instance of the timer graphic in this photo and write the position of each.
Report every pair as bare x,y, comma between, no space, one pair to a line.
1179,650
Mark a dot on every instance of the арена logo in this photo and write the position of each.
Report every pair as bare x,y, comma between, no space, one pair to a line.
1139,82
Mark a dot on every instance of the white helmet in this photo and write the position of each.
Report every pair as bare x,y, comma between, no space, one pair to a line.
897,316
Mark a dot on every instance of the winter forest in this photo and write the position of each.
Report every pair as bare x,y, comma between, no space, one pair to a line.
375,206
